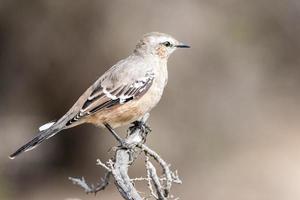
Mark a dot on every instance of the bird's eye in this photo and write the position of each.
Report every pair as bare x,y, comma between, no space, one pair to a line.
167,44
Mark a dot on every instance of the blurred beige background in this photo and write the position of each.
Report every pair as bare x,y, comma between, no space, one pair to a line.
229,120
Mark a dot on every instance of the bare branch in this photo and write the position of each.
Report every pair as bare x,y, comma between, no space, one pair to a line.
92,189
119,164
163,164
100,163
139,179
149,179
104,184
122,180
81,182
152,175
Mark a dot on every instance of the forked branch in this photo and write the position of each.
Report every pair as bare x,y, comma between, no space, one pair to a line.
118,165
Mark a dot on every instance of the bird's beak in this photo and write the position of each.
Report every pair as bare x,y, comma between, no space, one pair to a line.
181,45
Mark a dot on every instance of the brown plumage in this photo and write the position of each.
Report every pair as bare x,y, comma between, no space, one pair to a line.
123,94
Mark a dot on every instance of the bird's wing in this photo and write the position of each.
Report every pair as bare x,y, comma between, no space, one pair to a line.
116,87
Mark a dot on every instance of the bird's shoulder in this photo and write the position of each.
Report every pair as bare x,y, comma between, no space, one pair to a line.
126,71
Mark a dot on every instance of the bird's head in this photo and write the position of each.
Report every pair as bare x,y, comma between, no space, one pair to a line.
158,44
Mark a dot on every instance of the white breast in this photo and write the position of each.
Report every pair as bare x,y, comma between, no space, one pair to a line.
156,91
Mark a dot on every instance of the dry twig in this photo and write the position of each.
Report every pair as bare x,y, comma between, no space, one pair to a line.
118,166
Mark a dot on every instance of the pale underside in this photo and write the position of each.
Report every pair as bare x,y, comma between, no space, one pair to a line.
128,112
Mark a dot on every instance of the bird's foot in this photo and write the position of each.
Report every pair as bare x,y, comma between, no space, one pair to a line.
140,125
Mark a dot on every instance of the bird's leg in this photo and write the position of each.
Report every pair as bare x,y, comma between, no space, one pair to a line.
114,133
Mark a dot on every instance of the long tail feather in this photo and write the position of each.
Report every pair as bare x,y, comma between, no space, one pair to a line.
42,136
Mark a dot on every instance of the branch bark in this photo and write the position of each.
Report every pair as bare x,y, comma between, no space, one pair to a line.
118,166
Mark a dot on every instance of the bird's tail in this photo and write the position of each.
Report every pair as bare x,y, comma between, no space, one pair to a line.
42,136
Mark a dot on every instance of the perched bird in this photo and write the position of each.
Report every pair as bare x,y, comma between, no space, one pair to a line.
123,94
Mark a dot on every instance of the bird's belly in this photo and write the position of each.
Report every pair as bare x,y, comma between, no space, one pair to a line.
129,112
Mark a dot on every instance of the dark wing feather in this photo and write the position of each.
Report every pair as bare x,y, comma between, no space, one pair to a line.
102,98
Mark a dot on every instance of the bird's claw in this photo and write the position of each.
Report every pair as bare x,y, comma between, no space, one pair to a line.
142,126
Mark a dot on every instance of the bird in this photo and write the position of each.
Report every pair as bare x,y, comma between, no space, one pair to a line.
123,94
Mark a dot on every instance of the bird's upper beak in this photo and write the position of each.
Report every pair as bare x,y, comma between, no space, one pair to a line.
182,45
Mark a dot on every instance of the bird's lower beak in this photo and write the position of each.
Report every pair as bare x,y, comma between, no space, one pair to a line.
181,45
